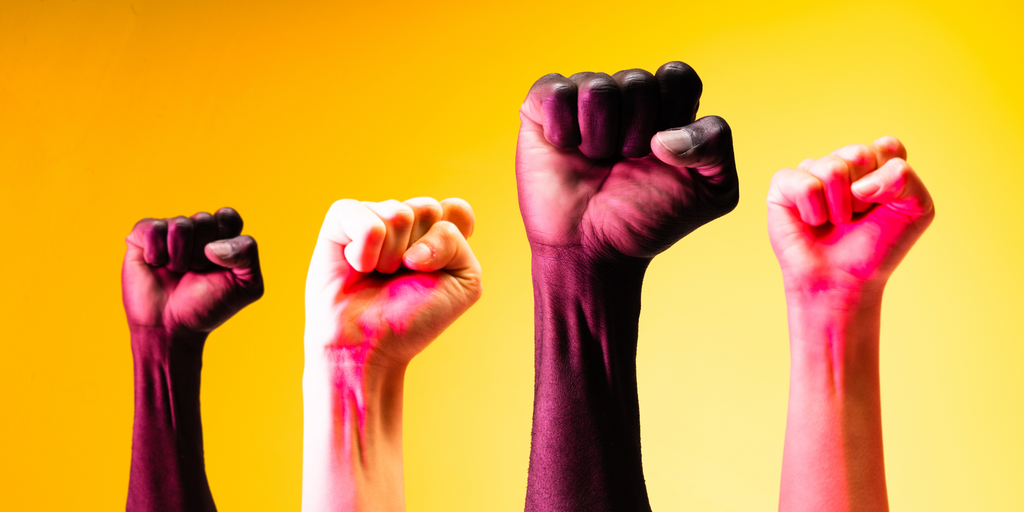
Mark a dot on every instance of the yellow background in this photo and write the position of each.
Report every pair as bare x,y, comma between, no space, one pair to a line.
114,111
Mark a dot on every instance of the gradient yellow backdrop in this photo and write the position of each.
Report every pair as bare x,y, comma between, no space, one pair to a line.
114,111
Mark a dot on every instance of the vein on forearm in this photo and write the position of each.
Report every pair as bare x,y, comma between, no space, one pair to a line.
168,469
585,453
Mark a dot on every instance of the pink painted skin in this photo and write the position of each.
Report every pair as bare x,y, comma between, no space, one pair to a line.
840,226
181,278
384,281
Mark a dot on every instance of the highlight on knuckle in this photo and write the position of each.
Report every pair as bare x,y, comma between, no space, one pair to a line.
809,186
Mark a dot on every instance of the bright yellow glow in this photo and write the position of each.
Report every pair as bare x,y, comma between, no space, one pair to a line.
114,111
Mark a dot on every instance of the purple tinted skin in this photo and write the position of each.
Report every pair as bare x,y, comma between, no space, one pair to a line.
598,206
181,278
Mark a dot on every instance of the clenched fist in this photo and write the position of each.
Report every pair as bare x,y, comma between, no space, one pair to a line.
616,165
839,226
188,275
391,275
384,281
845,221
611,171
181,278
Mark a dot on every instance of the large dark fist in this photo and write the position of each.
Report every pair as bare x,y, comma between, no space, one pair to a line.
617,166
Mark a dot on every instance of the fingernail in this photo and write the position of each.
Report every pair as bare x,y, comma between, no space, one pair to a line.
865,188
419,253
677,140
221,249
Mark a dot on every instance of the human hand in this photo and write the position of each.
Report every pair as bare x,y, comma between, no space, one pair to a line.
845,221
389,277
186,276
585,170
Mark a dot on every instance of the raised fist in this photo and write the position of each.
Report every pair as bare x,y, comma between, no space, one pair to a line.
585,170
390,276
846,220
188,275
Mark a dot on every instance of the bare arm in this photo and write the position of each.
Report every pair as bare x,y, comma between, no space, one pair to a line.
181,278
384,281
611,171
839,226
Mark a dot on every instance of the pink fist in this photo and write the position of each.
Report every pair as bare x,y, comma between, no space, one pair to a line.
845,221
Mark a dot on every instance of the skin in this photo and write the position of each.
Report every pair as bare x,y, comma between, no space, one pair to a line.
611,171
839,226
181,278
385,280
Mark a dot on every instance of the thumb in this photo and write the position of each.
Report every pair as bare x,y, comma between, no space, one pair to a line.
444,248
705,145
896,186
241,255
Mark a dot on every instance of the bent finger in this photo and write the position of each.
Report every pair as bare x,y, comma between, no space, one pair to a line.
229,223
179,244
896,186
680,94
426,211
241,255
598,114
459,212
204,231
443,248
147,242
551,103
704,145
860,160
834,174
398,220
638,114
886,148
798,190
361,232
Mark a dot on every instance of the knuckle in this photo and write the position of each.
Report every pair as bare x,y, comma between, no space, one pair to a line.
227,210
634,77
599,86
858,154
403,216
455,203
676,67
375,231
809,186
447,230
716,126
423,204
157,228
830,168
247,242
902,167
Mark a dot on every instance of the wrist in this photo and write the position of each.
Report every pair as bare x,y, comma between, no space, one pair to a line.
580,271
835,332
156,346
835,288
352,433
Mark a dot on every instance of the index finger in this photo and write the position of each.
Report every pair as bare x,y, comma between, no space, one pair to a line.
551,103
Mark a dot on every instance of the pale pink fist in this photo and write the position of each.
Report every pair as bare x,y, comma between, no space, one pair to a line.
846,220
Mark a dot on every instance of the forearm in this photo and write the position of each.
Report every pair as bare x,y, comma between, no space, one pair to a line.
352,434
168,471
585,450
833,458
